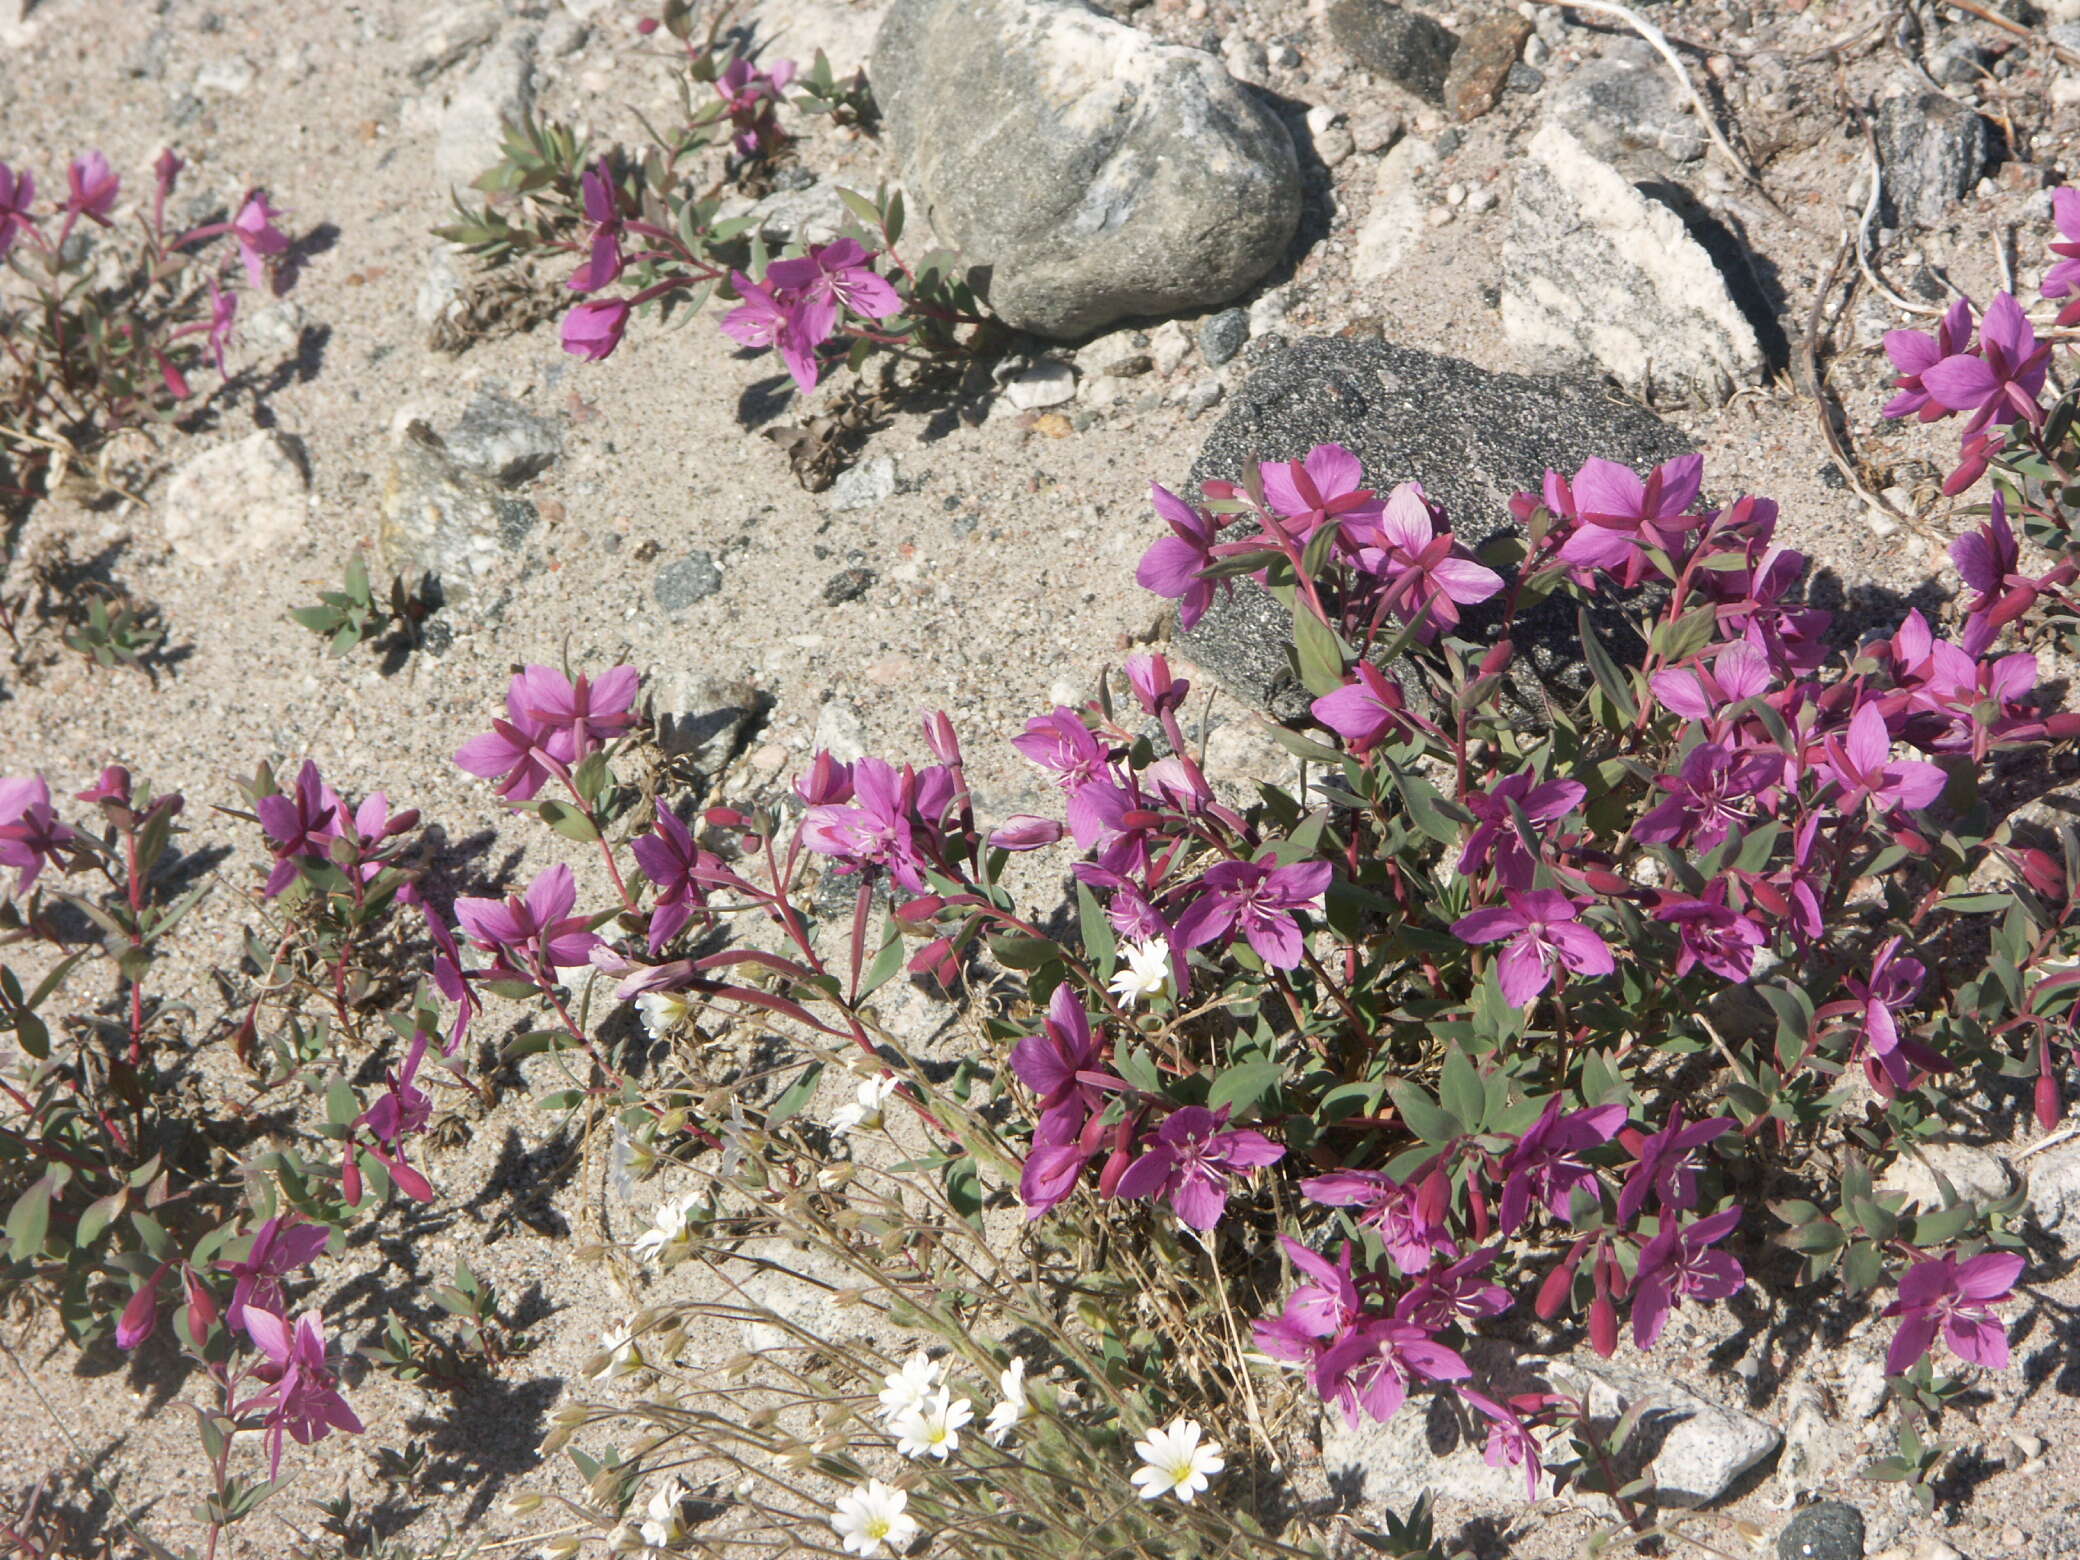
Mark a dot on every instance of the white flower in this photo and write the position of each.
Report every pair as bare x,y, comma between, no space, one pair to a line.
1176,1461
663,1528
933,1430
661,1011
903,1390
865,1111
1145,974
623,1356
669,1236
871,1516
1006,1415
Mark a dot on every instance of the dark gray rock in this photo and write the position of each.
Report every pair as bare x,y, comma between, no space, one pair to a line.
1829,1530
1625,100
1471,437
1961,62
708,720
1085,171
1222,336
444,520
1405,47
1933,150
848,585
503,440
691,579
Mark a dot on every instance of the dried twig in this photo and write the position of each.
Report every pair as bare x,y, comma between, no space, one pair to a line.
1823,405
2028,35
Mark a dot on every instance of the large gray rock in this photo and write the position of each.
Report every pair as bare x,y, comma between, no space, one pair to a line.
442,519
1625,100
1933,150
1472,438
1084,171
499,438
498,91
1597,273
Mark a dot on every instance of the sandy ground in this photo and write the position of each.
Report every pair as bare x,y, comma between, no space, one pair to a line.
1004,563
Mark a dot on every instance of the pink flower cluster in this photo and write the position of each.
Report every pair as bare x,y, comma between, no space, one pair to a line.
797,308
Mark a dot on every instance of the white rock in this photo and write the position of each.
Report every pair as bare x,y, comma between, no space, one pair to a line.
1168,345
272,333
498,90
838,732
230,74
1321,117
1044,384
1977,1174
865,484
2054,1188
1815,1449
237,501
1395,225
439,289
1596,274
1266,315
448,34
1702,1449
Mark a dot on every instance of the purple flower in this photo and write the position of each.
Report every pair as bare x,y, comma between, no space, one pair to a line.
1862,766
257,236
533,933
1698,692
1892,985
1315,1313
669,858
1664,1164
833,276
1373,1365
825,782
1189,1163
593,329
1320,488
877,828
1496,837
1510,1441
1365,710
1458,1293
17,193
1544,933
2002,381
1062,743
576,717
304,1398
1676,1263
749,95
1420,569
30,835
451,979
770,319
302,825
1707,796
1172,567
223,308
1619,513
1157,691
1956,1298
2065,215
603,217
1062,1147
1053,1063
1409,1218
1261,899
277,1250
1914,353
1025,831
93,188
1546,1163
1722,940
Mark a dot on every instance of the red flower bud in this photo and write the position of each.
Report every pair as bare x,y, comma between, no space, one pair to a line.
202,1306
2049,1106
724,818
1603,1326
920,910
1498,657
1115,1166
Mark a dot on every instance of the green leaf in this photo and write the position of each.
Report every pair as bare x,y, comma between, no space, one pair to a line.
1424,1119
1136,1066
567,821
886,962
1319,649
895,218
29,1221
1615,685
1459,1089
1240,1087
1099,940
795,1095
860,207
1304,747
1024,953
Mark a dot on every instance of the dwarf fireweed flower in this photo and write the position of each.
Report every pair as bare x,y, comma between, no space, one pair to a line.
1665,1166
1890,987
769,317
1861,766
1541,933
1174,566
31,837
1956,1299
1546,1163
92,188
602,267
1364,710
304,1399
594,328
1913,353
1373,1365
1258,898
1496,839
17,194
749,96
1190,1162
1708,932
889,823
1322,487
1678,1262
833,277
1175,1461
2001,382
1619,513
670,859
1510,1441
1409,1217
1422,576
257,237
534,933
278,1248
